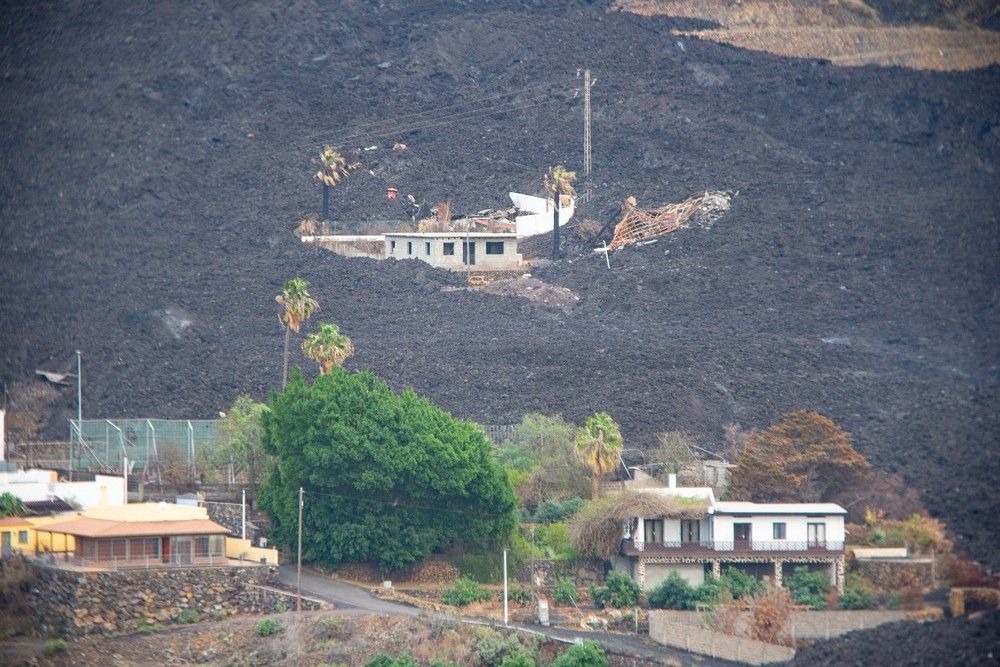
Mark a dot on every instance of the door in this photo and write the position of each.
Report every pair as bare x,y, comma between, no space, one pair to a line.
6,549
469,252
741,536
816,535
690,531
183,548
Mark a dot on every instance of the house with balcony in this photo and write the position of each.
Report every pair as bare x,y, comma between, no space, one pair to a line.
702,535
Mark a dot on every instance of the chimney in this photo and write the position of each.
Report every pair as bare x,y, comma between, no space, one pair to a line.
672,481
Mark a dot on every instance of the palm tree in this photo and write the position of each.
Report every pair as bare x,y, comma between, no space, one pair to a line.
599,445
333,168
328,347
558,182
299,306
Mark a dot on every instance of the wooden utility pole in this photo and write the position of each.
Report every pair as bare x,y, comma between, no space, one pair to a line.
298,569
586,131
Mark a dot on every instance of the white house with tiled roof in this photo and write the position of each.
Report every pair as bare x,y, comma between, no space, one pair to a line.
769,539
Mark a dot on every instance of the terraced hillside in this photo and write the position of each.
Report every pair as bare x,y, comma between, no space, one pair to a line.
155,159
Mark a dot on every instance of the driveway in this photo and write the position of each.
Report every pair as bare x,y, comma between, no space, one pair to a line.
341,594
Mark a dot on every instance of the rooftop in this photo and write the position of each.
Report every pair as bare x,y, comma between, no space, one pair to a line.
454,235
86,527
740,507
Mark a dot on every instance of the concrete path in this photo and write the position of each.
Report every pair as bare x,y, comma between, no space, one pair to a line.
354,599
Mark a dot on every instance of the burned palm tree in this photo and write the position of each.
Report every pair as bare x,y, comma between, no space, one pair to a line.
333,168
328,347
558,181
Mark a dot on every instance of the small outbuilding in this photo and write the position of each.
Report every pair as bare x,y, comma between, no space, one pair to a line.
478,251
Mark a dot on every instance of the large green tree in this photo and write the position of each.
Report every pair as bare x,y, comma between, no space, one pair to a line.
542,457
388,477
241,441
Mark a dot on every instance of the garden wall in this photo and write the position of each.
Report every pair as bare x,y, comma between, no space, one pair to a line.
801,625
715,644
77,603
584,571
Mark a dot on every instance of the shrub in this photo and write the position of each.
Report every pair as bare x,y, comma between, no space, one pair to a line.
384,660
769,613
711,592
674,592
552,511
519,595
519,659
484,568
53,646
465,592
334,627
741,584
188,616
857,598
566,593
587,654
495,649
266,627
619,590
555,541
808,588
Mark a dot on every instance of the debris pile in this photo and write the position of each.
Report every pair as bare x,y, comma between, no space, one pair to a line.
638,224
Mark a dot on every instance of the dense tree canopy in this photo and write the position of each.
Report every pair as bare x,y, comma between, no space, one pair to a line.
805,457
241,441
388,477
541,455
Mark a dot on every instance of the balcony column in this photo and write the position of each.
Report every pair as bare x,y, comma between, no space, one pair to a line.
640,573
778,565
639,539
716,568
840,565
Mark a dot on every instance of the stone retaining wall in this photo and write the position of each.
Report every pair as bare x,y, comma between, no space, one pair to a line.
71,603
583,571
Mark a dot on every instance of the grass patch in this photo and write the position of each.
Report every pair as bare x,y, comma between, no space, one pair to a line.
266,627
53,646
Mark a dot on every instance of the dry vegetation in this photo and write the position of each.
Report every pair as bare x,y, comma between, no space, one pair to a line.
845,32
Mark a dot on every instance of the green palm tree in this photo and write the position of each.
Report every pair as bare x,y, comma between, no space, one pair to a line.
328,347
558,181
333,168
599,445
299,306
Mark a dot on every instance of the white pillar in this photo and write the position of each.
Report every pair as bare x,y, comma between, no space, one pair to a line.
243,516
640,534
3,437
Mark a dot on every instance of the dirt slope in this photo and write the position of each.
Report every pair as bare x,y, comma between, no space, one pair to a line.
157,158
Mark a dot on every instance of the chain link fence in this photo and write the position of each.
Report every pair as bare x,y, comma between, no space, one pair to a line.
103,444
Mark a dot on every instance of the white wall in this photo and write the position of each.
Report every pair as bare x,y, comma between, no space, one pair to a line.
436,257
39,485
761,527
693,573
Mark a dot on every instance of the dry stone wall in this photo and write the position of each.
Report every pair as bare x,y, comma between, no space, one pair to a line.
74,603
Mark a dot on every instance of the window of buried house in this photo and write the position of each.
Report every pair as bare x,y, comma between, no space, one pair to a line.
427,247
409,247
654,530
778,530
494,247
449,248
392,246
690,530
22,536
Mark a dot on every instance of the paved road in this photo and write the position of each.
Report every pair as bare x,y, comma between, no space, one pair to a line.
355,599
341,594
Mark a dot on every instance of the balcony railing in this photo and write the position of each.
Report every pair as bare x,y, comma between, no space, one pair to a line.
730,546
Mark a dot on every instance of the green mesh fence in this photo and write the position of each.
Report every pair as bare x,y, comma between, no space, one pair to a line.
101,444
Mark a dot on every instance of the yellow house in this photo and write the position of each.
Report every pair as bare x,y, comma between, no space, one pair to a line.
16,536
187,535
